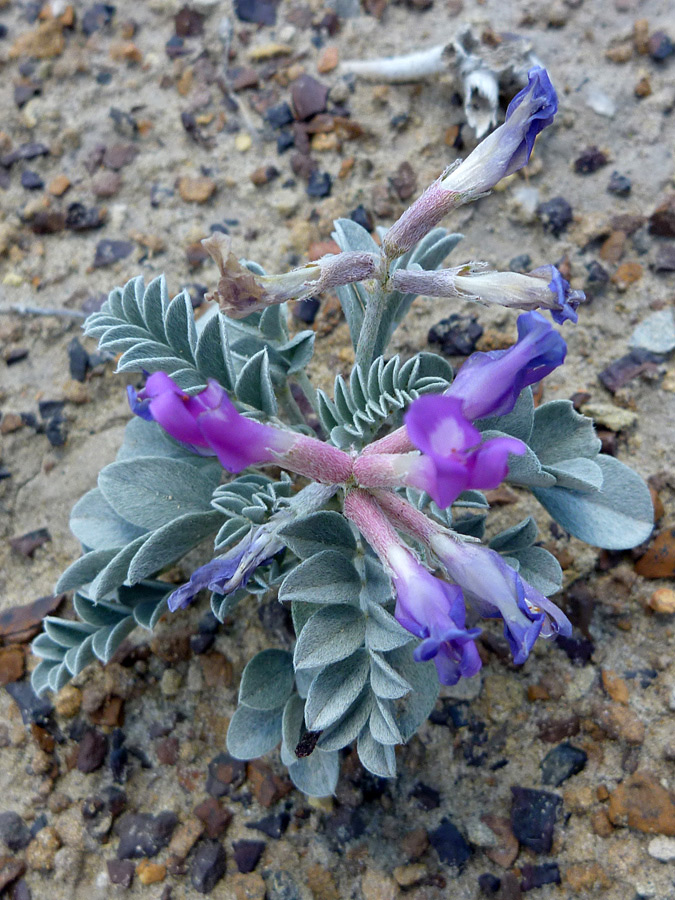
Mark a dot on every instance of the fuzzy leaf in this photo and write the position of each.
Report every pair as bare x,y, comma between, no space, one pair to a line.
267,680
95,523
169,543
325,578
331,634
541,569
383,632
518,423
316,775
518,537
334,690
254,384
349,725
379,759
385,681
414,708
253,732
561,433
319,531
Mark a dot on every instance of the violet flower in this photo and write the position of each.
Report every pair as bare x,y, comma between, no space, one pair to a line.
543,288
453,458
426,606
493,588
208,421
501,153
488,384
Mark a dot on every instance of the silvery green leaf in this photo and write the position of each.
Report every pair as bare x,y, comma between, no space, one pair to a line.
232,530
99,613
221,607
353,300
115,573
39,678
148,613
377,587
143,438
95,523
179,324
85,569
304,679
272,322
618,517
132,300
254,384
327,577
298,351
518,423
151,491
541,569
561,433
212,355
46,648
321,530
656,333
316,775
349,725
385,680
331,634
301,613
123,337
172,541
155,301
470,525
253,732
526,469
79,657
472,499
66,633
414,708
267,680
334,690
349,235
383,632
382,723
106,640
292,727
379,759
579,474
518,537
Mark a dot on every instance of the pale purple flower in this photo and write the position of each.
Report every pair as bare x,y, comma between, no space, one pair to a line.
488,384
434,611
209,422
543,288
503,152
453,457
493,588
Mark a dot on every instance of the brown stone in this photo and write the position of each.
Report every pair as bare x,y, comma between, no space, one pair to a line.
308,97
217,669
68,701
662,220
663,601
600,823
615,686
59,185
11,868
125,51
584,877
328,59
537,692
171,646
12,664
110,713
106,183
613,247
620,723
641,36
642,803
11,422
196,190
506,851
627,273
21,623
551,731
267,787
214,817
44,42
621,53
643,88
404,181
415,843
247,887
659,560
321,883
150,872
42,849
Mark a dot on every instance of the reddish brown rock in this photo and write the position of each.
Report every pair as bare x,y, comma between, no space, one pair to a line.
615,686
642,803
506,851
659,560
620,723
662,220
12,664
21,623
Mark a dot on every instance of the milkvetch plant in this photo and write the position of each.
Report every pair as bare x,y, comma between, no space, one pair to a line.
373,533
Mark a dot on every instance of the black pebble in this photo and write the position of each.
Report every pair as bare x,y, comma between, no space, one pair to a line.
457,335
121,871
590,161
426,796
56,431
521,263
201,643
285,141
619,184
488,883
82,218
78,361
555,215
319,184
538,876
96,17
306,310
142,834
262,12
208,866
578,650
31,180
362,217
450,844
33,708
533,815
561,763
273,826
14,831
279,115
108,252
247,854
3,31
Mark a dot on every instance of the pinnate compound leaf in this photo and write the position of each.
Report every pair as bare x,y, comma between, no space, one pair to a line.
172,541
325,578
349,725
323,530
316,775
383,632
385,680
267,680
253,732
254,384
334,690
151,491
333,633
95,523
617,517
414,708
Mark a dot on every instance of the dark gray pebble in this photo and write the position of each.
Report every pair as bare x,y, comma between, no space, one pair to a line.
273,826
533,817
319,184
144,835
14,831
450,844
92,751
561,763
457,335
208,866
247,854
555,215
109,252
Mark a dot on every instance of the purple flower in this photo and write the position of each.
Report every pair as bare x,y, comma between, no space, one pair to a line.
434,610
488,384
568,300
503,152
209,421
493,588
227,573
454,459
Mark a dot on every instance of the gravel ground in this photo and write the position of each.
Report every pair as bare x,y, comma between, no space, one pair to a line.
120,148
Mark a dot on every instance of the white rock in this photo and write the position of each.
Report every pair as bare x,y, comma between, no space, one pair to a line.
662,848
600,102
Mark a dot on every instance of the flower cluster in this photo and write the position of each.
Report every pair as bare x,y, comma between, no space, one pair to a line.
438,450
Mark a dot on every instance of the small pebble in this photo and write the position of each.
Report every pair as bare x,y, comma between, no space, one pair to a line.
662,601
208,866
662,848
449,843
261,12
109,252
619,184
243,141
561,763
457,335
319,184
308,96
590,161
31,180
555,215
150,872
197,190
247,854
533,817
